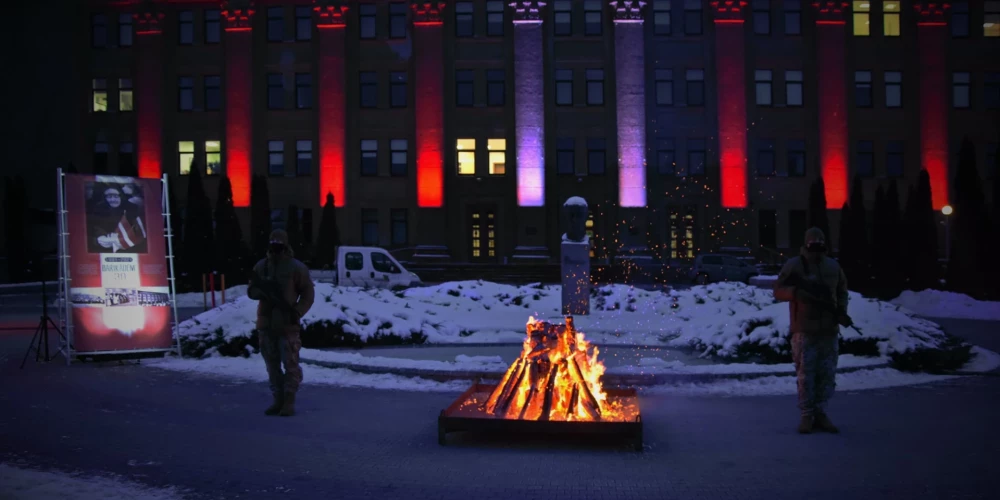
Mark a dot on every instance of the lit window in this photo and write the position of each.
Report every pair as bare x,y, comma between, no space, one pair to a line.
692,17
793,17
498,156
185,156
398,151
664,87
494,18
960,89
592,19
890,18
100,91
303,158
893,89
565,156
275,24
276,157
463,19
661,17
695,83
213,157
303,23
762,17
991,19
185,27
185,93
595,87
863,89
397,20
369,157
563,17
762,82
466,156
564,87
960,19
213,20
125,94
366,24
125,30
793,88
862,18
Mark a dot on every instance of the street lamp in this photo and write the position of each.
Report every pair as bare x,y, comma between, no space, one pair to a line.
947,211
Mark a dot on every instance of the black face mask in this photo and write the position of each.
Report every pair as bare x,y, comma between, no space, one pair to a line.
277,248
816,247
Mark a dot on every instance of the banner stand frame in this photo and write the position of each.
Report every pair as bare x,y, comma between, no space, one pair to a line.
172,278
65,320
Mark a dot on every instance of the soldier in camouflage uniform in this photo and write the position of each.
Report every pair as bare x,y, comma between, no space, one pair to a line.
815,287
278,327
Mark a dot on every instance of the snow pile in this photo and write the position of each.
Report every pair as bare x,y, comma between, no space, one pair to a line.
939,304
18,482
879,378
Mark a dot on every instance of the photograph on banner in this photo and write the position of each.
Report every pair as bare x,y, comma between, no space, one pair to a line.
119,287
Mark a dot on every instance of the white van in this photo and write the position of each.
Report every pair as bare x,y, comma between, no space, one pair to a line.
370,267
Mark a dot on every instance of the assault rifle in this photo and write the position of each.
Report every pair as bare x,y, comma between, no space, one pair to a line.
820,295
269,290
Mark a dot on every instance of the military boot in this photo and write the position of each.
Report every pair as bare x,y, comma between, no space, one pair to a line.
275,406
288,408
806,424
823,423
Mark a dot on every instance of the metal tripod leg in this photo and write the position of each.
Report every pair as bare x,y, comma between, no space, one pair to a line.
42,327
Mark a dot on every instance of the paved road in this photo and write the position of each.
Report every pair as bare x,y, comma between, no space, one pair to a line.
936,441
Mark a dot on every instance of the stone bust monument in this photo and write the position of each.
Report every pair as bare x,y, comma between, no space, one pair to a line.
575,211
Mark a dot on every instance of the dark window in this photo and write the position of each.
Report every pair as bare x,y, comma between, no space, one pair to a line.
596,156
666,161
767,228
275,24
369,157
495,87
369,89
793,17
303,90
125,102
866,159
595,87
960,89
762,83
276,157
398,152
126,158
796,227
400,227
796,158
494,18
397,89
565,156
369,227
303,158
185,27
99,31
303,23
960,19
213,93
762,17
592,18
894,159
354,261
661,17
275,91
765,158
695,80
213,26
696,157
397,20
793,88
664,87
463,19
692,17
564,87
125,30
366,21
992,167
563,17
893,89
991,91
100,157
185,93
464,90
863,89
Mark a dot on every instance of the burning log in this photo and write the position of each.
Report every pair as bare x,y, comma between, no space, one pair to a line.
550,390
589,402
507,385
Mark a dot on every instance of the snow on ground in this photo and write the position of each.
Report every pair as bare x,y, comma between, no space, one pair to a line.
983,360
879,378
939,304
17,482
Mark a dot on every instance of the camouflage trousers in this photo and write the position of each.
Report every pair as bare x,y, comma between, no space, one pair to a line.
281,348
815,360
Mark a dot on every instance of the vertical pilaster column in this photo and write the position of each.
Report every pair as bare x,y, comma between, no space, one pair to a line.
529,102
932,37
239,94
428,41
831,32
149,91
630,101
730,71
331,24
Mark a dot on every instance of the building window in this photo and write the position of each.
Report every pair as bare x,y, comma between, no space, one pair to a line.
185,93
991,161
797,220
692,17
661,17
99,100
695,83
398,152
498,156
564,87
303,90
303,23
213,157
99,31
565,156
369,157
796,158
366,21
464,90
563,17
890,18
762,82
463,19
793,17
397,20
100,158
126,158
494,87
400,227
960,19
664,87
125,30
276,157
597,153
682,233
303,158
866,159
275,24
762,17
863,89
893,89
991,19
185,156
595,87
125,94
592,18
213,93
793,88
991,90
275,91
466,156
185,27
397,89
494,18
369,227
765,158
369,89
666,161
894,159
213,26
960,89
862,17
696,157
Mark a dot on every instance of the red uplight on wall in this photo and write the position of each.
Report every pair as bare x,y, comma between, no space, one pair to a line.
833,150
332,113
149,106
731,78
932,40
239,130
429,90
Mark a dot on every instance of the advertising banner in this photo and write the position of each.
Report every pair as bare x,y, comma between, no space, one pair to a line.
119,292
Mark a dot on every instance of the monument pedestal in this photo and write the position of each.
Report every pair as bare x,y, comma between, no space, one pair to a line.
575,264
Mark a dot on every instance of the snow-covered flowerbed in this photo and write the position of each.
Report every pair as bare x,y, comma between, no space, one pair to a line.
939,304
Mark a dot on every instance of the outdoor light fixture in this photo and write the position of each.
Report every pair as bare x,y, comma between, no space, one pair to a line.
947,210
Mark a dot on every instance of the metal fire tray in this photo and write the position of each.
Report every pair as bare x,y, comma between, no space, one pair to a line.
465,416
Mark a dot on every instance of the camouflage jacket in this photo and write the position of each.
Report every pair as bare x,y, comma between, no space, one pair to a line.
825,280
293,278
